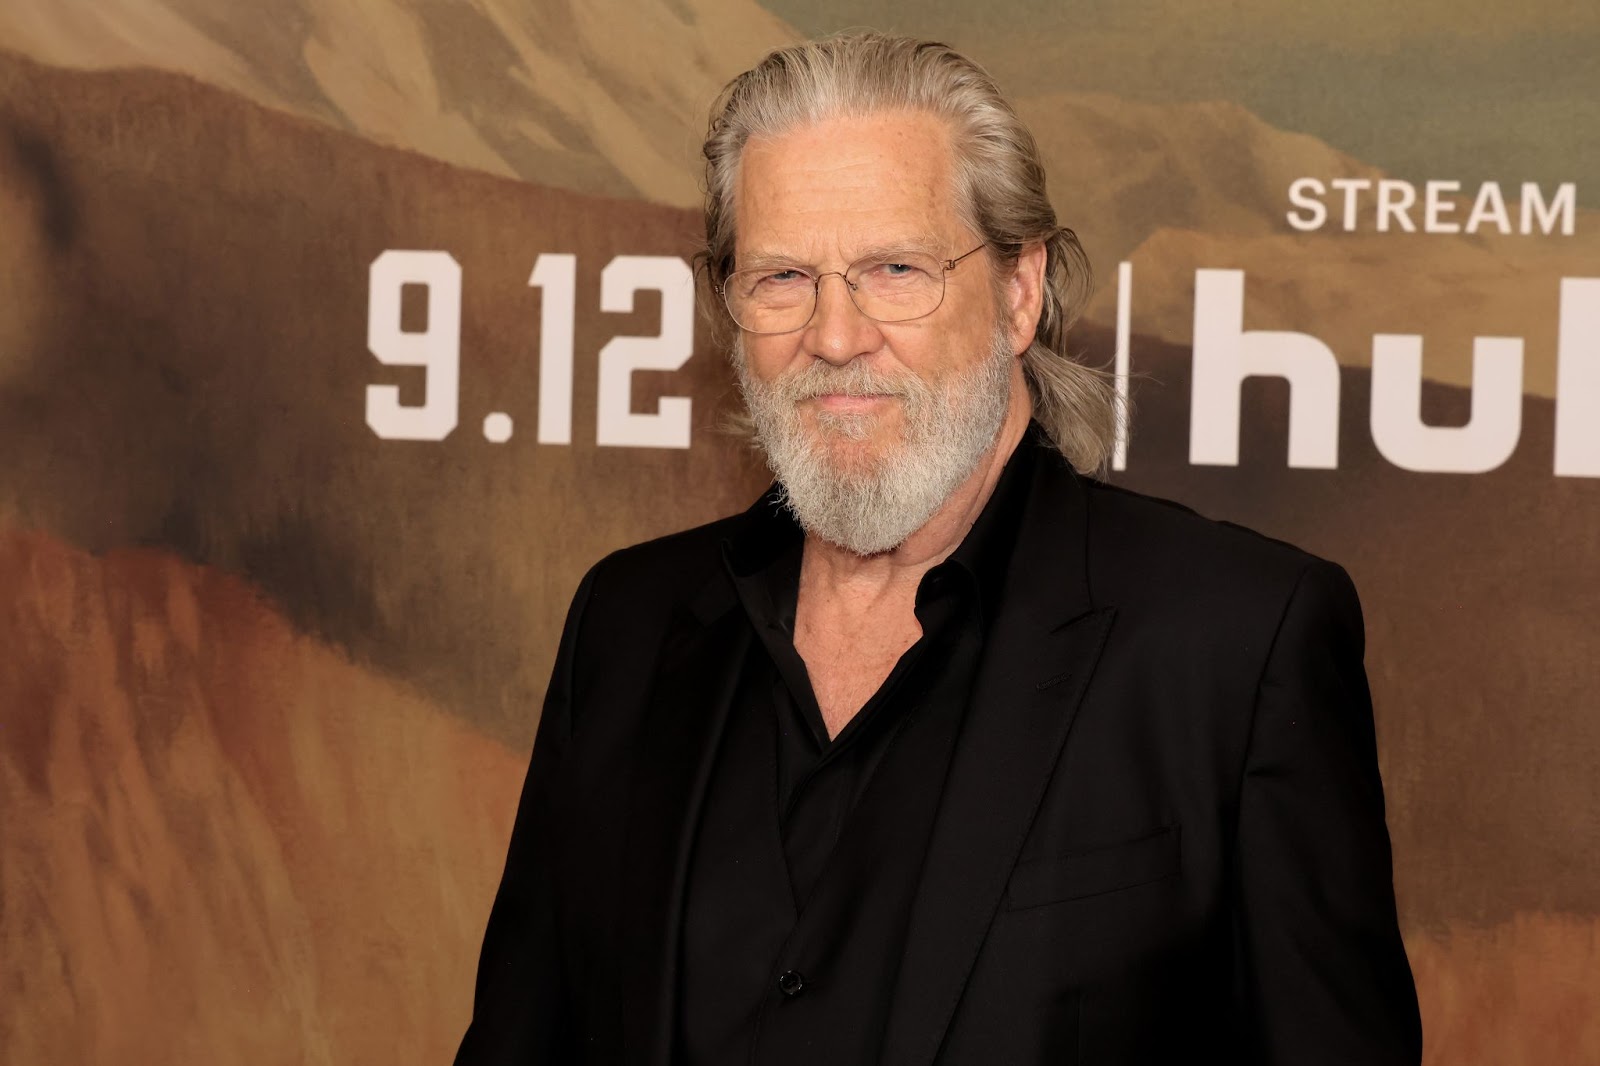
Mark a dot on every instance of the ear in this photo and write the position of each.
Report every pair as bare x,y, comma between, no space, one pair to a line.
1024,296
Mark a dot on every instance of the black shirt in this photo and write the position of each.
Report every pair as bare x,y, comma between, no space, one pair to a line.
808,851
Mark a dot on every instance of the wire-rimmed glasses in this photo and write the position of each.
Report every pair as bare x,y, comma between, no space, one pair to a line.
887,287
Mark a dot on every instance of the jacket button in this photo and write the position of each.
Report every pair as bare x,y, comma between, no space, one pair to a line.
791,983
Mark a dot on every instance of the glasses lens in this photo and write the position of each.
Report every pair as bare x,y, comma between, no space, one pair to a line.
770,300
899,287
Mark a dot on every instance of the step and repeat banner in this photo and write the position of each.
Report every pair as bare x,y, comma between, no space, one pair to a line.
337,339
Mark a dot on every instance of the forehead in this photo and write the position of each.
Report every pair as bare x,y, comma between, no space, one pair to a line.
835,186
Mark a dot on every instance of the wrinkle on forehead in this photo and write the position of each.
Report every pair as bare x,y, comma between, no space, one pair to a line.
927,243
836,189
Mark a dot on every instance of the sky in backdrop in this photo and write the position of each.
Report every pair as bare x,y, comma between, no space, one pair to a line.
1503,90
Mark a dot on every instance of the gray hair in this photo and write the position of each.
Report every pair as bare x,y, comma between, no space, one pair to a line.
1000,185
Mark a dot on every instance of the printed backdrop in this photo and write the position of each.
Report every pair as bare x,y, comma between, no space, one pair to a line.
338,337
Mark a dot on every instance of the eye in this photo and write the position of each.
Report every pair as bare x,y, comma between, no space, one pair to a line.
893,272
788,276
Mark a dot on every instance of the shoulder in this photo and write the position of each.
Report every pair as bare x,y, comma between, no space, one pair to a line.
1154,553
647,582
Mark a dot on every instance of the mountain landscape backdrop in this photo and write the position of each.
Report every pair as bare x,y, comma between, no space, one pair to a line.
269,681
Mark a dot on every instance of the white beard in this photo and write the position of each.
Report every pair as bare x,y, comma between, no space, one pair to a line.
871,504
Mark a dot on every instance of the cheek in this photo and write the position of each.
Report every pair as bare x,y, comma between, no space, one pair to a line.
953,346
927,351
768,357
981,310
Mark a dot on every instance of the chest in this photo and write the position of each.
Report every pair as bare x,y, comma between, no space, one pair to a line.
848,658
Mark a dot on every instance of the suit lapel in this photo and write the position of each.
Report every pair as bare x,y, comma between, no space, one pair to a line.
1039,655
677,742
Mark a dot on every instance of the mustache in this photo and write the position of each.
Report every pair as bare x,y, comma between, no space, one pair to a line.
855,378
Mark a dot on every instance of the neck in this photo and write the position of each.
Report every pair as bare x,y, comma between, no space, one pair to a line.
829,566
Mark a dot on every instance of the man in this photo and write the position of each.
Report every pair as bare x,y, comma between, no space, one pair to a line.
943,752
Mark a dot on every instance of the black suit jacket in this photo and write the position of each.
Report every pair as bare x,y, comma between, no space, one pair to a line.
1161,836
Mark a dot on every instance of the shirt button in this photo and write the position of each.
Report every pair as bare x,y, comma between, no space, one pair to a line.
791,983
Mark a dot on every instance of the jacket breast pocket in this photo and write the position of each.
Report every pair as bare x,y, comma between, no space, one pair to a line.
1094,871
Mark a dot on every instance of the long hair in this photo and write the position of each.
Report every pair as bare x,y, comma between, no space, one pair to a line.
1000,187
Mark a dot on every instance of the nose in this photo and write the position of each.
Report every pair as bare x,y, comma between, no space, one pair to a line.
838,331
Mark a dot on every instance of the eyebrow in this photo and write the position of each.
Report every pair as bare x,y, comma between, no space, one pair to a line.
926,244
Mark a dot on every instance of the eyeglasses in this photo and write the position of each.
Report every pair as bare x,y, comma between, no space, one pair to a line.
892,287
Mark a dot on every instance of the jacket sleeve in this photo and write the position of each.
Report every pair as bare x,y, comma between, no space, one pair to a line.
1321,975
519,1013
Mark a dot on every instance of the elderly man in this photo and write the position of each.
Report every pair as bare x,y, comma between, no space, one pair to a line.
944,751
